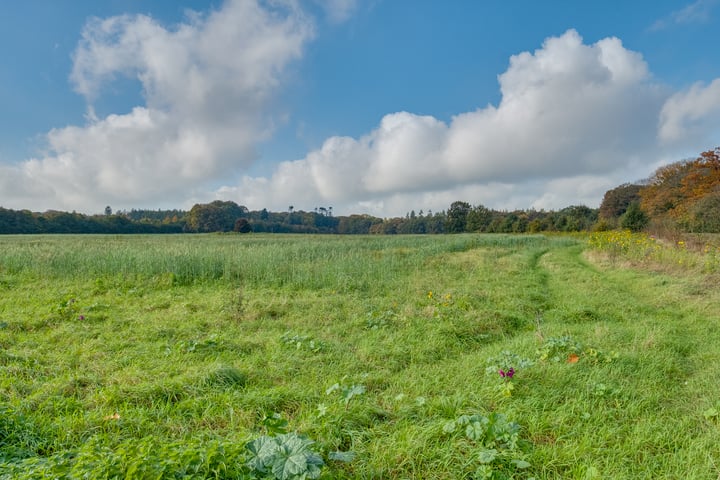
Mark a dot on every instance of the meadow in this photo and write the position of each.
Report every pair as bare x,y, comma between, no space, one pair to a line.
359,357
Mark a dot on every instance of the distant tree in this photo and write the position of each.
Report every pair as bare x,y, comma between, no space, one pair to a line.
675,189
705,215
634,218
435,223
456,221
478,219
108,210
242,226
357,224
616,201
217,216
577,218
663,192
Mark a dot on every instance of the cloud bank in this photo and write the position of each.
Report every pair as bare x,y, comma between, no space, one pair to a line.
574,120
207,84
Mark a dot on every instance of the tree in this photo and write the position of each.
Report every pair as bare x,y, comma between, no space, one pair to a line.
217,216
705,215
242,226
457,217
357,224
478,219
108,210
576,218
675,189
634,218
616,201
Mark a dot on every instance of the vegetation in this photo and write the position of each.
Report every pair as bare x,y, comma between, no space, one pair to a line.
681,197
220,216
288,357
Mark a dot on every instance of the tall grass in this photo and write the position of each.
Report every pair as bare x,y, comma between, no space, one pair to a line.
331,262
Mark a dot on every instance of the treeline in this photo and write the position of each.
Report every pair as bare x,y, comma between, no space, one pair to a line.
222,216
226,216
683,196
25,221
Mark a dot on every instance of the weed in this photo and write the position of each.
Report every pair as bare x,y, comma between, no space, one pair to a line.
376,320
288,456
500,448
302,342
347,392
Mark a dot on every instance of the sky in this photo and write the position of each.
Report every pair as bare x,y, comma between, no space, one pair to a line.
366,106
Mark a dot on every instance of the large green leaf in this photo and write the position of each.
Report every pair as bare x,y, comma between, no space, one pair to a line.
475,431
263,451
290,467
487,456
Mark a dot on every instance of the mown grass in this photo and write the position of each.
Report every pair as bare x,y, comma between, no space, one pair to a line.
163,356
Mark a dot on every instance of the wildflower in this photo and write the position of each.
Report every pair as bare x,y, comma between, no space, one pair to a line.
573,358
430,295
114,416
508,374
81,317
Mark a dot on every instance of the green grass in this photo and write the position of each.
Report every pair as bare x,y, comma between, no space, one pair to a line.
163,356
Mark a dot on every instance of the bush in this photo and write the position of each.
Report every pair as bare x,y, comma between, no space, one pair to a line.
634,218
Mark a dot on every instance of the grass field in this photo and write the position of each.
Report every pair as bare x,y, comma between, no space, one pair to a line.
425,357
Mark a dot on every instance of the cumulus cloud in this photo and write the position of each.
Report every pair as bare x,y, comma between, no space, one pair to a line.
206,84
571,116
692,115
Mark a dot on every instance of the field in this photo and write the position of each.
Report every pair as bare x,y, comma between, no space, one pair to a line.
385,357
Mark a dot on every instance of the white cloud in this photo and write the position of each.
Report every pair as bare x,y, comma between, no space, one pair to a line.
699,11
206,83
337,11
692,115
571,118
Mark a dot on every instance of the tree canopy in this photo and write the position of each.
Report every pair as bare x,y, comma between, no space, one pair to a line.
675,192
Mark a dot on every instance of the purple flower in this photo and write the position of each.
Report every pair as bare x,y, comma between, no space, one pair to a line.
508,374
81,317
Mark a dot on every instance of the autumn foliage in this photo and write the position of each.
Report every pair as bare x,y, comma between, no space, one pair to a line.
686,193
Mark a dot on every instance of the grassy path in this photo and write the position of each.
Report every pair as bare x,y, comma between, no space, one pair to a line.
641,416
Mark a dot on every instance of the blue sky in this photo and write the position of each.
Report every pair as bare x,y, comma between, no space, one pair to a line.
375,106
